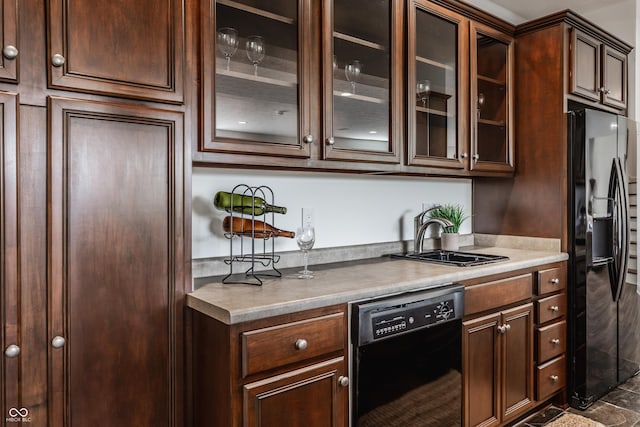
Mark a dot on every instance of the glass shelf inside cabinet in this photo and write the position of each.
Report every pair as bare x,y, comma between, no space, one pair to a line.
491,99
256,70
361,75
435,86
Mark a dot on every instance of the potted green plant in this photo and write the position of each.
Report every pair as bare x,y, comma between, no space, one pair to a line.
449,238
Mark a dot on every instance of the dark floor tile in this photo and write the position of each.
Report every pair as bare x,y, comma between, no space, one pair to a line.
623,398
610,415
632,384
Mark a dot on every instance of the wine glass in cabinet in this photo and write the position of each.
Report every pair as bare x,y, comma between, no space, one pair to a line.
256,100
491,100
436,97
362,57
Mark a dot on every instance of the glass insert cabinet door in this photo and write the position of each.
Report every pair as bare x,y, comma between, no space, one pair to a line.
362,65
491,95
254,98
436,93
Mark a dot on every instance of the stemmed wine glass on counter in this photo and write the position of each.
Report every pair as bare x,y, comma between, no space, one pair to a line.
306,237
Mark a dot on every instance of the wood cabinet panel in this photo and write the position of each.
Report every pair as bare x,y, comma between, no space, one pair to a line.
9,64
585,66
614,78
268,348
115,263
488,296
517,361
10,284
121,48
483,376
306,397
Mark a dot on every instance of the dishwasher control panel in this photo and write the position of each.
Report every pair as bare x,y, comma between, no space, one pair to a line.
398,314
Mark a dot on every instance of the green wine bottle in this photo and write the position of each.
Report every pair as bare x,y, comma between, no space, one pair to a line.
244,204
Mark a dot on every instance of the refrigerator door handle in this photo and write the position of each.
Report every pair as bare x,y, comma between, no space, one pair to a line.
621,232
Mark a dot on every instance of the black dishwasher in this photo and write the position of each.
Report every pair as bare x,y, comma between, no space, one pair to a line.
406,352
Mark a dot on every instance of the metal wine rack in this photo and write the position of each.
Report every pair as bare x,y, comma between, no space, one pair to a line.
255,251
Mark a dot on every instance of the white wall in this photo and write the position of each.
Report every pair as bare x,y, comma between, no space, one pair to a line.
348,209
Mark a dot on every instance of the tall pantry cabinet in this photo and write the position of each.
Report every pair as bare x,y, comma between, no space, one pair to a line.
93,204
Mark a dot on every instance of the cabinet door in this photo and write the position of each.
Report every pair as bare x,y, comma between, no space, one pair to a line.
9,273
481,370
614,78
437,92
492,60
9,59
362,54
584,78
517,361
123,48
256,64
307,397
115,251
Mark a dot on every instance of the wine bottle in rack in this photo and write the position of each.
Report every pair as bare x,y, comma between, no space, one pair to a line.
257,229
244,204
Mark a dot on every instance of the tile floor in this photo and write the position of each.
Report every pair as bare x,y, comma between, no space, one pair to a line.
619,408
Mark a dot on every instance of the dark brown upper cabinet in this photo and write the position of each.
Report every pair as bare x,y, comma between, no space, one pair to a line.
261,79
597,71
438,87
256,67
133,49
9,59
492,142
362,65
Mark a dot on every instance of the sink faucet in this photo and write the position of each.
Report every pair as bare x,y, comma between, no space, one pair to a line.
420,226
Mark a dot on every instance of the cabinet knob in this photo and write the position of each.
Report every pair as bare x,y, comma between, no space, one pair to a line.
464,155
607,91
601,89
57,60
58,342
502,329
555,281
10,52
343,381
331,141
476,157
555,341
554,378
12,351
301,344
308,139
554,308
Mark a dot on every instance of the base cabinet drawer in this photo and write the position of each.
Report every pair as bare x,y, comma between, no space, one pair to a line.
551,341
551,308
280,345
550,377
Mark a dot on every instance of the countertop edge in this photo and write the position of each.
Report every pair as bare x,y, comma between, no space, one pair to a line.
199,302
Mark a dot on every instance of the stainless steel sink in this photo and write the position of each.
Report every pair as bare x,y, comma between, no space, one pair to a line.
460,259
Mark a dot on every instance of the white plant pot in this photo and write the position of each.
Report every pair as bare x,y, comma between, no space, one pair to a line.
449,241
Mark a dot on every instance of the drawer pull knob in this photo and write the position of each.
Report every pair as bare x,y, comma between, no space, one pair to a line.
58,341
554,308
57,60
308,139
301,344
554,378
504,328
343,381
555,281
10,52
555,341
12,351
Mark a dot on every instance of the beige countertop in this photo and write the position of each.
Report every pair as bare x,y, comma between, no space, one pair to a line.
235,303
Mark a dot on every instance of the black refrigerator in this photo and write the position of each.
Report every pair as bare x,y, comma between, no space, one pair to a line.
604,299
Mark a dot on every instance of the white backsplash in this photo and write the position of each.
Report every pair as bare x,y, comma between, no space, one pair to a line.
348,209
